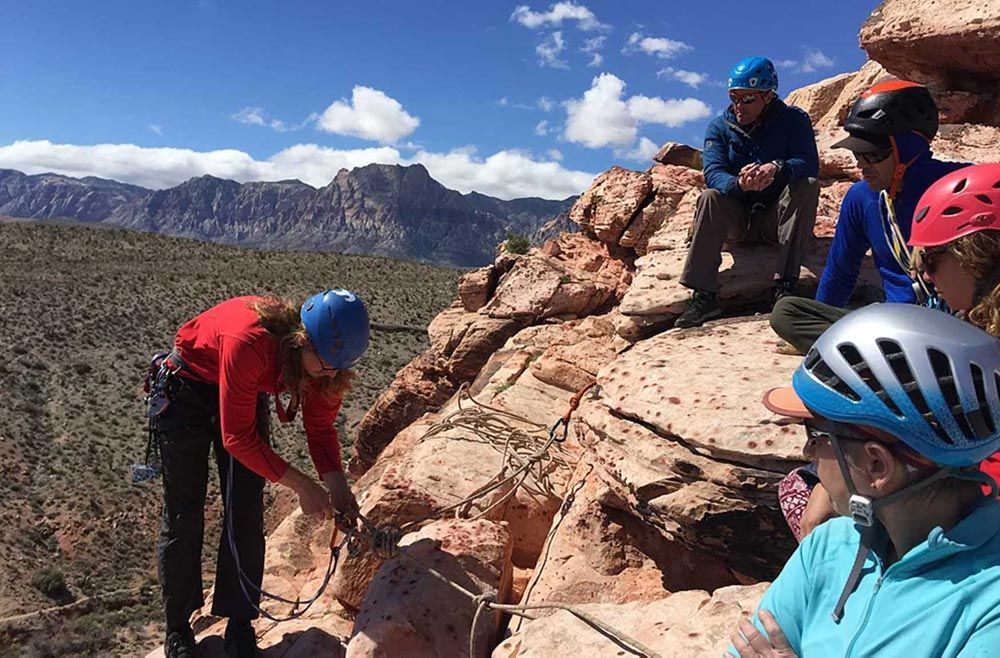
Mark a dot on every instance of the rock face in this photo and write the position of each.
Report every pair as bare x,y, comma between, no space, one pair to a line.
388,210
692,624
51,196
408,611
945,45
828,101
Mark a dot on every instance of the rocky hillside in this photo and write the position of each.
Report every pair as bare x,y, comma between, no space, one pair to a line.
387,210
658,513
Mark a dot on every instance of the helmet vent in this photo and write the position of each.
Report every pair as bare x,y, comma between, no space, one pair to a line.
893,354
951,210
946,381
985,199
923,213
960,185
901,368
980,418
823,373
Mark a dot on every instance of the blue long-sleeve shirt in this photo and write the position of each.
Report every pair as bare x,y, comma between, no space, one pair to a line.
940,600
861,226
785,133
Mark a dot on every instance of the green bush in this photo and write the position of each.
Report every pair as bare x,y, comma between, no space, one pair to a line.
51,583
517,244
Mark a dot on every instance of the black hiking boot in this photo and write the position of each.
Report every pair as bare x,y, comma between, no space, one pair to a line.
241,640
703,307
180,644
783,288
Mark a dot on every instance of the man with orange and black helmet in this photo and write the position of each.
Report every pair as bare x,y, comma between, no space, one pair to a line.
890,128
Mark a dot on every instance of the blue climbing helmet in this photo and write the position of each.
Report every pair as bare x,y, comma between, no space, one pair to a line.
336,322
754,73
925,377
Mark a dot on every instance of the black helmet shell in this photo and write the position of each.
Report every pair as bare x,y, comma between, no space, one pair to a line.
894,107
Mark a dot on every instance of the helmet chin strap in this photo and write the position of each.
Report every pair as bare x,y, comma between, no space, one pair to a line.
863,511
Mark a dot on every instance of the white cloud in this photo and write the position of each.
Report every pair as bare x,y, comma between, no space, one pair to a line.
643,151
658,46
593,47
156,128
257,116
672,112
549,49
554,154
690,78
506,102
602,117
542,128
546,104
506,174
371,114
596,60
557,14
812,60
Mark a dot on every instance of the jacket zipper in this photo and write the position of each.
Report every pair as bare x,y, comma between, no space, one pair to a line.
868,613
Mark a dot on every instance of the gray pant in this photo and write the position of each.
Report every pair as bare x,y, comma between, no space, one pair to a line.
800,320
788,223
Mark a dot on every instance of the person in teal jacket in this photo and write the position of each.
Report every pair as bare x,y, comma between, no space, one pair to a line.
900,404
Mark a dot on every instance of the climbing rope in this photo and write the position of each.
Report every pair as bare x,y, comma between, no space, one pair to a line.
522,454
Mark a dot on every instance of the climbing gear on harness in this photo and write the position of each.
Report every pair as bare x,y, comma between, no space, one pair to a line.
336,322
961,203
159,385
754,73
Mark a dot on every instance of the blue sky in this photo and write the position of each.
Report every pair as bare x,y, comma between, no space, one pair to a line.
506,98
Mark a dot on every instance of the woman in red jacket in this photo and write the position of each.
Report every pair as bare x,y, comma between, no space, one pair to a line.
225,364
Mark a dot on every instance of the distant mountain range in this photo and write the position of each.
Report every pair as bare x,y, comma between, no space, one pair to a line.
389,210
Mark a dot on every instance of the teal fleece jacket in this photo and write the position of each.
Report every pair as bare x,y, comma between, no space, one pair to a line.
941,600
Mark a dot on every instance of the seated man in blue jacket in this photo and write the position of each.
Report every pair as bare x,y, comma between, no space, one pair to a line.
760,165
890,128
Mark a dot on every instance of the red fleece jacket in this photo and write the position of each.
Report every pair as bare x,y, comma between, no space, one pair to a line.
226,345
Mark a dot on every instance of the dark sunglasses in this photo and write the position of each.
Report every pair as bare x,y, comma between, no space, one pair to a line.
746,99
929,260
874,157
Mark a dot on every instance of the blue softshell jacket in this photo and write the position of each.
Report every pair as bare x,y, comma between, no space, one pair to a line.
941,600
861,223
785,133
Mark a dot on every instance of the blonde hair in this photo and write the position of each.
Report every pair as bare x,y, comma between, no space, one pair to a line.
280,318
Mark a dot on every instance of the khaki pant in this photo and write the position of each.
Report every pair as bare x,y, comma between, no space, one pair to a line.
787,223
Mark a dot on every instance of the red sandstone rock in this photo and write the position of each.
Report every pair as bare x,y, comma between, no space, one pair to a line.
421,386
673,153
693,624
407,611
607,208
476,287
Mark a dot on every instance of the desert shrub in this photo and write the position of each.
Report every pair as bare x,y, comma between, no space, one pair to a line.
517,244
51,583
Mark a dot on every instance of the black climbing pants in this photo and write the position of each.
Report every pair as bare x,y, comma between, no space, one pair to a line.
186,431
800,320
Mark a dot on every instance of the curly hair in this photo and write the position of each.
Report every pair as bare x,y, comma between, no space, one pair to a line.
979,254
280,318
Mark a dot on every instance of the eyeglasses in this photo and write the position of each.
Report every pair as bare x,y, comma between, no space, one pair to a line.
745,99
816,433
929,260
874,157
